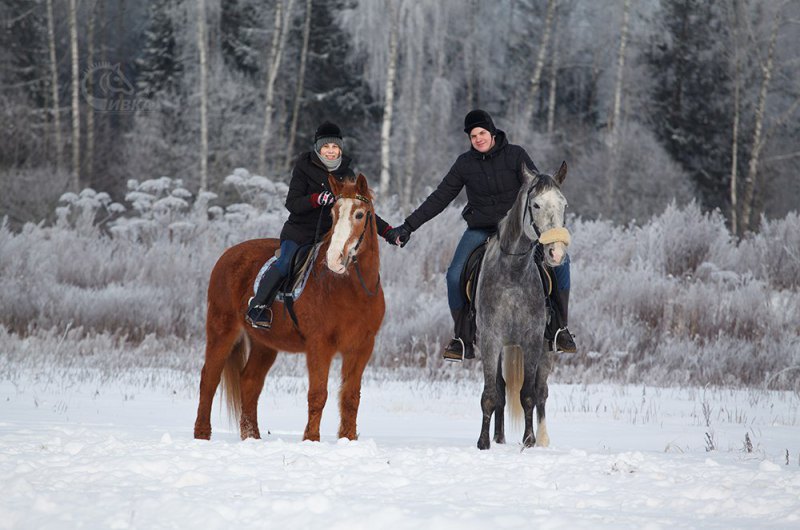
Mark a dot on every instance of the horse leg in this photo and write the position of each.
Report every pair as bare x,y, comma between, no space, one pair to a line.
218,349
526,397
489,396
319,365
499,409
353,364
255,371
540,396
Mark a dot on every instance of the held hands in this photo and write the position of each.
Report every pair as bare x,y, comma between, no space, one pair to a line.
324,198
399,235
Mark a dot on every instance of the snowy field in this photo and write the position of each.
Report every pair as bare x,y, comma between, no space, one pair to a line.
85,452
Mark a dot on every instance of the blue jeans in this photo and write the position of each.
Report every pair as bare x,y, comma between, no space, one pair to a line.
471,240
284,261
562,274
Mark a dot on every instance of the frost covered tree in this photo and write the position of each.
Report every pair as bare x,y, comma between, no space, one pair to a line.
692,92
238,40
159,65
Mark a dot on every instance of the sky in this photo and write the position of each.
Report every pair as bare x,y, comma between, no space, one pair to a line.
83,450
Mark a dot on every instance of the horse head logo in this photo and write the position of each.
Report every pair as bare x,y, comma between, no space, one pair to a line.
103,83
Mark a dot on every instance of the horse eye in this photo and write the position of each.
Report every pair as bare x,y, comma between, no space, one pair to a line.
536,206
360,215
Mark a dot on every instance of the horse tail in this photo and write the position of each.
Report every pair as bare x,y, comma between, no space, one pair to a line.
514,374
231,377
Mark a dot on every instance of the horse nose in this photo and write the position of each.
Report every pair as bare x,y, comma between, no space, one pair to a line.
336,262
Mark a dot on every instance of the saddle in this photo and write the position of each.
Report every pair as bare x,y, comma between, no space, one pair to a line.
299,272
466,325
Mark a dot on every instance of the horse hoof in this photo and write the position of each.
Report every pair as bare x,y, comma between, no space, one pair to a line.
202,434
529,441
499,439
311,437
483,444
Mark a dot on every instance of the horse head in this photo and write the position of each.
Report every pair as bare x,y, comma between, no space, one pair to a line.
543,215
353,222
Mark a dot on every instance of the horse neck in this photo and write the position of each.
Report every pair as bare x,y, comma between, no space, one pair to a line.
512,238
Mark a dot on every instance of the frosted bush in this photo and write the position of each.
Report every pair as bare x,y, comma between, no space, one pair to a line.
673,301
688,236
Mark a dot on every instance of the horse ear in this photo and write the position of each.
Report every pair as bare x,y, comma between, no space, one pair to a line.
561,174
528,174
361,184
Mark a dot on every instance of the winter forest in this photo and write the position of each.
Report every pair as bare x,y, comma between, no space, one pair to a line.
141,139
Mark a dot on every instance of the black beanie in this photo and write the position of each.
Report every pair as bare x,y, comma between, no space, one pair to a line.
328,130
479,118
328,133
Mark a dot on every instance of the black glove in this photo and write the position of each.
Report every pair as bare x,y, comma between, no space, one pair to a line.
399,235
386,235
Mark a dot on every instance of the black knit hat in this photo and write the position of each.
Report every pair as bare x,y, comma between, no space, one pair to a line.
327,133
479,118
328,130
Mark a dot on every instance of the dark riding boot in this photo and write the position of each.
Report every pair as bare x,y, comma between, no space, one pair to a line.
259,308
459,349
564,341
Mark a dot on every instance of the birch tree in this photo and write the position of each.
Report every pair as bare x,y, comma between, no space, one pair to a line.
612,137
89,109
759,119
613,125
388,106
273,64
415,60
301,75
551,100
202,47
536,76
76,115
737,74
51,41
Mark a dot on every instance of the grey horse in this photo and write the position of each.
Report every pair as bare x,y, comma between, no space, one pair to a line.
510,307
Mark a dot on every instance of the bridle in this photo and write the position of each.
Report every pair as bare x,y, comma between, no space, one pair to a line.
367,225
558,234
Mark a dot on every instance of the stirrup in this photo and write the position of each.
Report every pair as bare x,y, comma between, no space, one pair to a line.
260,320
553,344
452,355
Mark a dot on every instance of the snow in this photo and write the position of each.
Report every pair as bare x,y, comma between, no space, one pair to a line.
87,451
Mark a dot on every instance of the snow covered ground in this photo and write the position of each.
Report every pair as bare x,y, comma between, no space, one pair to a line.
85,452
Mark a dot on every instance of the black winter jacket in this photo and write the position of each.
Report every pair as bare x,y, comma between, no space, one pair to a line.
492,180
310,177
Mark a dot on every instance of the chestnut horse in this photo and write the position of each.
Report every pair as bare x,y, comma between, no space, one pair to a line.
340,310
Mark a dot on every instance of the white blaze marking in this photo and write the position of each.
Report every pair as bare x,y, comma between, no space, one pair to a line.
341,234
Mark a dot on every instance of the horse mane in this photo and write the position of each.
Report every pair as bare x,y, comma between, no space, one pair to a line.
510,227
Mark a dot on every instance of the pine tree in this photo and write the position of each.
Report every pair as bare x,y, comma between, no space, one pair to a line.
239,49
159,66
692,93
24,40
